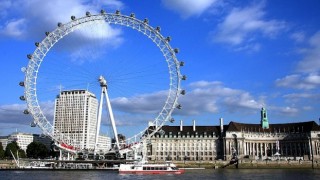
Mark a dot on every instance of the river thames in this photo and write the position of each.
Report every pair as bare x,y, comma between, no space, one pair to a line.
284,174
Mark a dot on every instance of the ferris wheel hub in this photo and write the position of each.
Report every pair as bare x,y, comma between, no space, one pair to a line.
102,81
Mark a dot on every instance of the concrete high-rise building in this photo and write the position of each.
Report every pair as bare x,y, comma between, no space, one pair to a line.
76,117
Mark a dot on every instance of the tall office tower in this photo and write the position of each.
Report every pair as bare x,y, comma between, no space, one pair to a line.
76,117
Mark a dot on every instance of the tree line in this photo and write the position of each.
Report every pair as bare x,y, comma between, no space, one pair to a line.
34,150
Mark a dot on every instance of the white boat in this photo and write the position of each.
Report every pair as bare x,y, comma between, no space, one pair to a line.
145,168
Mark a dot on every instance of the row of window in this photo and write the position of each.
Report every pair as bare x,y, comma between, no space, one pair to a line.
184,153
184,148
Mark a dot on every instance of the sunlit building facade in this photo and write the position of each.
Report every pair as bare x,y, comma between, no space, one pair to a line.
76,117
22,139
295,141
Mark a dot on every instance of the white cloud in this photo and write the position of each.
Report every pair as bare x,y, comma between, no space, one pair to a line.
298,95
31,19
14,114
201,97
187,8
145,103
289,110
243,100
298,36
311,61
30,22
298,81
213,97
241,26
14,28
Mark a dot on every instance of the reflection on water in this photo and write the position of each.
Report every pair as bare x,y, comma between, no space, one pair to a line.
239,174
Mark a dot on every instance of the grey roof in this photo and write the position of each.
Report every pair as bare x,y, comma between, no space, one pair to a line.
287,127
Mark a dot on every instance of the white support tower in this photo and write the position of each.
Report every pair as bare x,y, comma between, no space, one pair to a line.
104,92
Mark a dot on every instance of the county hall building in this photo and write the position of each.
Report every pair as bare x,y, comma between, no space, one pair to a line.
253,141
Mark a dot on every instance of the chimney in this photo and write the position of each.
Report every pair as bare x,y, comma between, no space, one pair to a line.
194,125
221,125
181,127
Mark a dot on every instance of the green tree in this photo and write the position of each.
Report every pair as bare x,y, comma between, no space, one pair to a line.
22,153
11,147
37,150
1,151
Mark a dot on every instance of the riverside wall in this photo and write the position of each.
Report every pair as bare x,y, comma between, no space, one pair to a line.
251,164
242,164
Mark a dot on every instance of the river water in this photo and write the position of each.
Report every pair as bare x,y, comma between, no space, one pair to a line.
220,174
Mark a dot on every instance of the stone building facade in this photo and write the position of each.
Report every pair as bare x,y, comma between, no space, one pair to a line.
254,141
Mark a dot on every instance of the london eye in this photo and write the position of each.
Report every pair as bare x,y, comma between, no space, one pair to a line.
131,75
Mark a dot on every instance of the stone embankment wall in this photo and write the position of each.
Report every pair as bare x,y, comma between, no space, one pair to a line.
251,164
7,164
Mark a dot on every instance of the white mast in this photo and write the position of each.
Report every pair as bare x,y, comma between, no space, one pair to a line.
103,84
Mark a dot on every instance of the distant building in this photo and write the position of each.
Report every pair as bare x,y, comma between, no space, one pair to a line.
22,139
47,141
104,144
4,141
253,141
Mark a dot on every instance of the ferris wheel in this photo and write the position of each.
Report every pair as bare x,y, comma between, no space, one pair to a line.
37,79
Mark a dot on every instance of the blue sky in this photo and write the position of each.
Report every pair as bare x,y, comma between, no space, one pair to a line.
239,55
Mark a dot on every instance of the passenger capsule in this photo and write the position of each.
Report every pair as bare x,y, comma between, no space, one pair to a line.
21,84
26,111
73,18
103,11
47,33
146,21
88,14
37,44
178,106
117,12
33,124
176,50
183,92
132,15
22,98
181,63
158,29
184,77
29,56
168,39
60,24
171,120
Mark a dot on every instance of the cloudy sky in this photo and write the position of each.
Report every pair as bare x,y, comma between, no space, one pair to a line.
239,56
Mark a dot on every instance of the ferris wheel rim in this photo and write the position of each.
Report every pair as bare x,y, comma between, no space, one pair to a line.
63,30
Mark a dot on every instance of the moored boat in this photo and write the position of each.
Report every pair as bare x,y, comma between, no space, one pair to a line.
145,168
